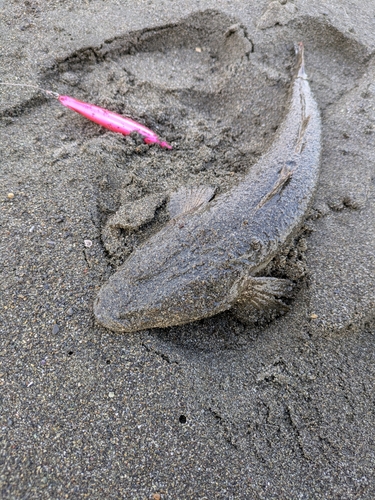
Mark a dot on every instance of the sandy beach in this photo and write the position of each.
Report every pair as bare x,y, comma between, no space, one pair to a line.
215,409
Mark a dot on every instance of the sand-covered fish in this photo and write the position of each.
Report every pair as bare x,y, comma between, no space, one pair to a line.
209,257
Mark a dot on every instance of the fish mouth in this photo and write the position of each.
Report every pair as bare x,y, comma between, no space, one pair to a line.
107,315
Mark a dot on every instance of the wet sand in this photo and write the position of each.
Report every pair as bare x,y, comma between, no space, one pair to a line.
213,409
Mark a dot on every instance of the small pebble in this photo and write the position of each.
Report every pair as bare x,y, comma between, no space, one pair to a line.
55,329
70,311
88,243
111,394
313,316
156,496
198,49
51,243
11,196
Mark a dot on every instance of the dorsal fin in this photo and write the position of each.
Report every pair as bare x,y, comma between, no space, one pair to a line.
187,199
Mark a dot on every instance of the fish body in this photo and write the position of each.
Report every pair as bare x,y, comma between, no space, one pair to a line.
208,258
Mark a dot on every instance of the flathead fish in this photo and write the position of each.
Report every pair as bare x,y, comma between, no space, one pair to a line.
209,257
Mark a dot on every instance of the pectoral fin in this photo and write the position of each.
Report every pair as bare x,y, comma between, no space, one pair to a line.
187,199
261,297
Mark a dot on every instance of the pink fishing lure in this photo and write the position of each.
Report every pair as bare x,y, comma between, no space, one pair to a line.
111,120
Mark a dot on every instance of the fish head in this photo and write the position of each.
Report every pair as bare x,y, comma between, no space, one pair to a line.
125,305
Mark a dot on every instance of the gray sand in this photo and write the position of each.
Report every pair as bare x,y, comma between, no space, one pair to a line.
214,409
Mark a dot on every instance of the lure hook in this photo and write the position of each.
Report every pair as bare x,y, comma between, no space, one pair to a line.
50,93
